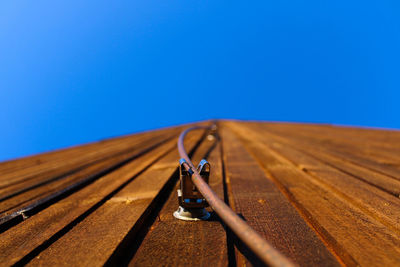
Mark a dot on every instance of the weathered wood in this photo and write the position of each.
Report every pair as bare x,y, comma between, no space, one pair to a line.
321,194
65,153
378,140
75,161
94,239
19,241
370,199
382,181
267,210
355,236
173,242
352,150
42,189
55,167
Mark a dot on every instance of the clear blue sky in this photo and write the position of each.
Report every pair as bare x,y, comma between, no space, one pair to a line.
78,71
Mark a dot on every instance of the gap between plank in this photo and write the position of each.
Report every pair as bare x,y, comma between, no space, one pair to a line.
27,258
307,217
30,210
128,247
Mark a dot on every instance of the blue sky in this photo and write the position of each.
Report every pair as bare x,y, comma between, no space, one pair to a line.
72,72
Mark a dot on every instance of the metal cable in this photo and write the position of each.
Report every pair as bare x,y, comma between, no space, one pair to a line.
268,254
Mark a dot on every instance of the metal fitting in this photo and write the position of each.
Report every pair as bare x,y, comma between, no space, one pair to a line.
191,203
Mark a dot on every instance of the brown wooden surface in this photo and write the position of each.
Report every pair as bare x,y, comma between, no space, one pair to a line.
323,195
17,196
356,236
207,239
59,217
258,200
115,218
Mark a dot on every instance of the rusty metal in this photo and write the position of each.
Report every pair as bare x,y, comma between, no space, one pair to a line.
266,252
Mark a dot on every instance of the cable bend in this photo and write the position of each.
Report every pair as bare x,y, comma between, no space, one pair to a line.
265,251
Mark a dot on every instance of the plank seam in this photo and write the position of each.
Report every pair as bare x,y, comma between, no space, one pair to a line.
337,167
307,217
27,258
18,216
128,247
362,165
226,186
342,195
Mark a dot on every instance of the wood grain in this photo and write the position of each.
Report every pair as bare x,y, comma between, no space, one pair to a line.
37,230
323,195
179,243
41,189
358,149
66,153
96,237
267,210
75,161
381,181
356,237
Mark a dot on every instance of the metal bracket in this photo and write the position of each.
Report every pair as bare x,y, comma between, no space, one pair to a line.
191,203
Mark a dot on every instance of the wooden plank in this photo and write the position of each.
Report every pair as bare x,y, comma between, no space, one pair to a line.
373,201
311,190
362,142
30,164
65,153
267,210
106,210
332,136
370,145
384,182
173,242
30,237
43,189
73,162
377,138
356,154
354,235
47,169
